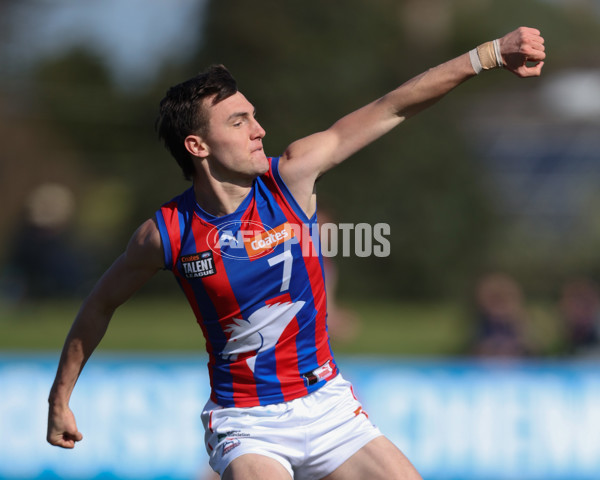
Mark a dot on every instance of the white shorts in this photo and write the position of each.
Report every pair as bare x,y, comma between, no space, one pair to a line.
310,436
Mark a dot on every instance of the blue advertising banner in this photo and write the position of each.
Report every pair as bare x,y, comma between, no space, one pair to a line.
488,421
140,417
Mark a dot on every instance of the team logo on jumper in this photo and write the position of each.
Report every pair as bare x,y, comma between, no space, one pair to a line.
247,240
260,332
198,265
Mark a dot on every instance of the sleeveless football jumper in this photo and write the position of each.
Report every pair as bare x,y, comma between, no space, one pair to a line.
254,279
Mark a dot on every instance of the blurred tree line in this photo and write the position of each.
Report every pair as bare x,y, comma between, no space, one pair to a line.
304,65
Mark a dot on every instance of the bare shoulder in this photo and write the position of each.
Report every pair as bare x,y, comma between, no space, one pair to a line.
308,156
147,234
145,246
302,163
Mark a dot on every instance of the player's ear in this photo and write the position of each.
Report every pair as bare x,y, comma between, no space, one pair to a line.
196,146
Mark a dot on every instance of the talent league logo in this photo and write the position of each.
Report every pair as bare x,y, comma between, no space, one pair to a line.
198,265
247,240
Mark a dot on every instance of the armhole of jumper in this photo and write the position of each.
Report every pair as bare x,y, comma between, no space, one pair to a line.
288,195
166,240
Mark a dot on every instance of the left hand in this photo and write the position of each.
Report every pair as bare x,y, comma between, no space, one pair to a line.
521,47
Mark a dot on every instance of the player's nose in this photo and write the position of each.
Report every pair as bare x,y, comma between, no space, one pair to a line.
257,130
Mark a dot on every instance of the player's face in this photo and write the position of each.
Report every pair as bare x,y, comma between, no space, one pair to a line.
234,139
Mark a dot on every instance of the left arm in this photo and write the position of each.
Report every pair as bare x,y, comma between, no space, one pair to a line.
308,158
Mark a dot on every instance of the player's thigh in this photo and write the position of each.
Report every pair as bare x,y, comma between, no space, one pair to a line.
379,459
252,466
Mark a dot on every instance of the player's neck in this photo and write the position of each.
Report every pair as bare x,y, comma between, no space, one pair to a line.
219,198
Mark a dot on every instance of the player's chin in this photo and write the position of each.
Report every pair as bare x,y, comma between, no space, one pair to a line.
260,161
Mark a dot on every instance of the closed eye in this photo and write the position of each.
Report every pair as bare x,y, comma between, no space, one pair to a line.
239,118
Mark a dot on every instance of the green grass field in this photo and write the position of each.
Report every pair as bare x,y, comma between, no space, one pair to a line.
167,325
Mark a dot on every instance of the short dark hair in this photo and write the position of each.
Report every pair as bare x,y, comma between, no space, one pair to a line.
181,112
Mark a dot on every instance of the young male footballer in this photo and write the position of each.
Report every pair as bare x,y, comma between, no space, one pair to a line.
239,242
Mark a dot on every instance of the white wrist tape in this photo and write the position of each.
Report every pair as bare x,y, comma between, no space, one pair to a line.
475,62
499,61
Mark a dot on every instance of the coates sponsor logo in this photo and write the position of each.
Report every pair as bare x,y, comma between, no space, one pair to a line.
267,241
247,240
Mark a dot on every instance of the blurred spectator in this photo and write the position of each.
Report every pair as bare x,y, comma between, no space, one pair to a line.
501,317
580,311
42,262
342,323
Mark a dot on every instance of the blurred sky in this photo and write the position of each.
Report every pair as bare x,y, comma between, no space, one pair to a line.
117,30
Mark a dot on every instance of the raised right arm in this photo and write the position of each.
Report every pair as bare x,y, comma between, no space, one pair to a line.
308,158
141,260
